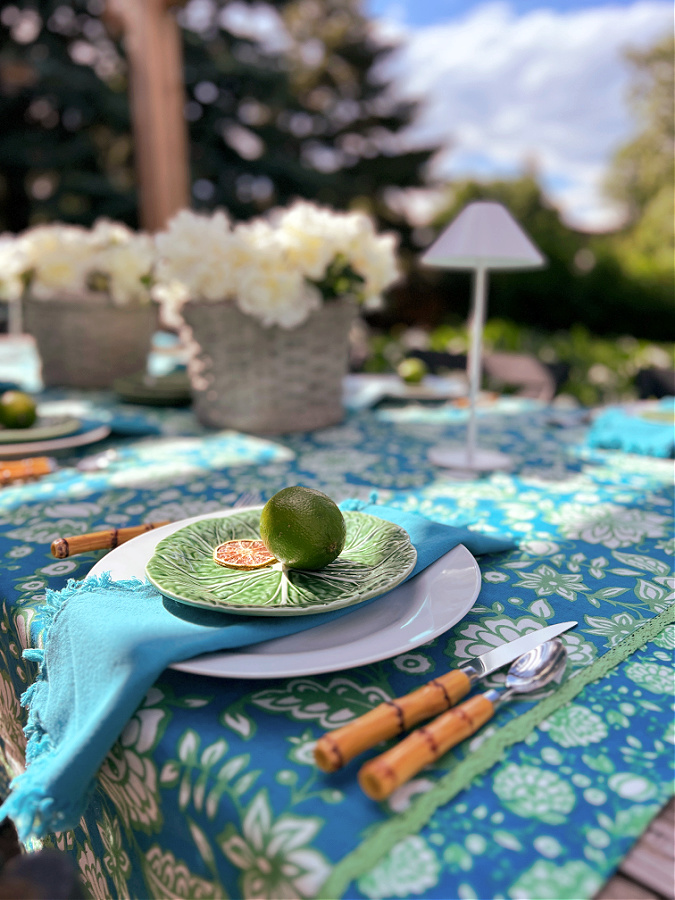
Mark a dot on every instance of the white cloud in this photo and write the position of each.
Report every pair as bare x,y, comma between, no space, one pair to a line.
546,89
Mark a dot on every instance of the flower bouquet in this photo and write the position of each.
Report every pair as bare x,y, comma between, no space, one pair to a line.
265,308
87,301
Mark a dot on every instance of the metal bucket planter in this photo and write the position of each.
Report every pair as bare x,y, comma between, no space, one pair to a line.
267,380
86,342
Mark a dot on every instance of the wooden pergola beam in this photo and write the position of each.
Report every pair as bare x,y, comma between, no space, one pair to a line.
157,95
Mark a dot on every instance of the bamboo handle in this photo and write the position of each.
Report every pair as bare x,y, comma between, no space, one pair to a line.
382,775
336,748
99,540
18,469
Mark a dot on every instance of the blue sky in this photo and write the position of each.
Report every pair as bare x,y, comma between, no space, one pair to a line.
430,12
504,86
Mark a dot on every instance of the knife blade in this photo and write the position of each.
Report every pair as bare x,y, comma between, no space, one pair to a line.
501,656
336,748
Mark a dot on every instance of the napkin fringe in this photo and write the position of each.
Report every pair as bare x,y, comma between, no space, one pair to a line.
33,812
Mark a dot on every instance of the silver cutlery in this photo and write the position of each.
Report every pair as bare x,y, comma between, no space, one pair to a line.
534,670
336,748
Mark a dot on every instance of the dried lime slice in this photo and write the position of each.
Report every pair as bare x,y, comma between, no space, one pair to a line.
243,555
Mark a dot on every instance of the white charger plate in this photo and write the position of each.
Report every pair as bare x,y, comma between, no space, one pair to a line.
88,435
412,614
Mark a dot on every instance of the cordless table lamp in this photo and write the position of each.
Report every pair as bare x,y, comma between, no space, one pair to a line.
483,236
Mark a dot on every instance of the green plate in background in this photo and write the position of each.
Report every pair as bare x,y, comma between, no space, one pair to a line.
45,428
155,390
377,556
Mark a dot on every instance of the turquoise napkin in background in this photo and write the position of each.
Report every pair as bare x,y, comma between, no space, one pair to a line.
96,667
649,431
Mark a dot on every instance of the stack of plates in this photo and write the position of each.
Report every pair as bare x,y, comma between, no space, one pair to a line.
155,390
50,434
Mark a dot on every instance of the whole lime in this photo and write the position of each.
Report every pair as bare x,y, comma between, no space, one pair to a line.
303,528
17,410
412,370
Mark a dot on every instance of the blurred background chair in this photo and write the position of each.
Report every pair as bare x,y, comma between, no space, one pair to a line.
655,383
517,373
523,374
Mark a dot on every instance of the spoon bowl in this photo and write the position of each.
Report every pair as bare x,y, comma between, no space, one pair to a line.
537,668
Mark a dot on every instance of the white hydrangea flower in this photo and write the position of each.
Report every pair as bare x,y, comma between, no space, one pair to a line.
310,237
372,255
268,286
59,258
107,232
128,265
314,236
64,259
275,268
124,258
275,294
199,252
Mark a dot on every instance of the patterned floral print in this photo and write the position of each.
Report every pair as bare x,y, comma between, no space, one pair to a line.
273,855
211,791
576,726
409,869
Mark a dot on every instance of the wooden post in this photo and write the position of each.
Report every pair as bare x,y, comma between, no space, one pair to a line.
157,93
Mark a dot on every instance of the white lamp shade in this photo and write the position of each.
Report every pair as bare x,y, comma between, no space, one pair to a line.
484,234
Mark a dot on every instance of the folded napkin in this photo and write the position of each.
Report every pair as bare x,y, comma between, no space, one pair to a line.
106,644
127,425
649,430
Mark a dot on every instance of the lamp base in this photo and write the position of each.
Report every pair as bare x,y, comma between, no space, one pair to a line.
478,461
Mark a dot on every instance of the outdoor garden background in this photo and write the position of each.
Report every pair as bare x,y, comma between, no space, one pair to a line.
268,126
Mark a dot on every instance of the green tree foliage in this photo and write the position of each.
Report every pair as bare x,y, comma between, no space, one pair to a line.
291,110
65,150
300,115
641,176
583,281
620,283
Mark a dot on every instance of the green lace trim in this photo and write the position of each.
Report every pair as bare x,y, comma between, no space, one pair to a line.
381,841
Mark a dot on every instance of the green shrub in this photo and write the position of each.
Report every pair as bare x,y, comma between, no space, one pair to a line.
601,369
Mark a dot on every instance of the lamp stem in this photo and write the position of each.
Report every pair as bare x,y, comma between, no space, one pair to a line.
478,320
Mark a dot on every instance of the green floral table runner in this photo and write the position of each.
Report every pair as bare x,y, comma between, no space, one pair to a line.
211,791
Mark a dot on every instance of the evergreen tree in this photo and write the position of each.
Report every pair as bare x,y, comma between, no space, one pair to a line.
65,150
290,111
302,116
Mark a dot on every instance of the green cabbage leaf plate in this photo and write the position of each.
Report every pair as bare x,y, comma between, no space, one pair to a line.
377,556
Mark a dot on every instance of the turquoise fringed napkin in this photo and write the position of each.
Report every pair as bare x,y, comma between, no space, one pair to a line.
107,643
649,431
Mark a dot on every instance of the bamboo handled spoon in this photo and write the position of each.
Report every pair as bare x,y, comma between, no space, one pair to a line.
534,670
99,540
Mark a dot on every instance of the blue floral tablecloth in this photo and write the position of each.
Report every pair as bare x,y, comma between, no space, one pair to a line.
211,791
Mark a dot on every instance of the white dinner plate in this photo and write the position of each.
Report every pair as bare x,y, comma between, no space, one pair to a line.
361,391
87,435
412,614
